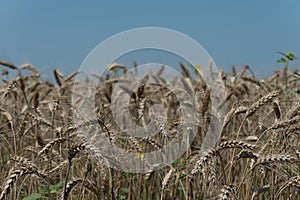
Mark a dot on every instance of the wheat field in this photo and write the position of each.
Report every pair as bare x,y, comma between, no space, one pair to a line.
43,157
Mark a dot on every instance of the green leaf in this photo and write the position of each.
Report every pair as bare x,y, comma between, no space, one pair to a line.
43,188
278,86
124,193
182,162
123,197
281,60
290,55
33,196
281,53
56,188
293,92
124,190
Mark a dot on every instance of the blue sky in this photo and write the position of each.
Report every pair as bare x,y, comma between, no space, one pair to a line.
61,33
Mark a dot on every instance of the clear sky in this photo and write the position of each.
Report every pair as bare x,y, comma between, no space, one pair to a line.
61,33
